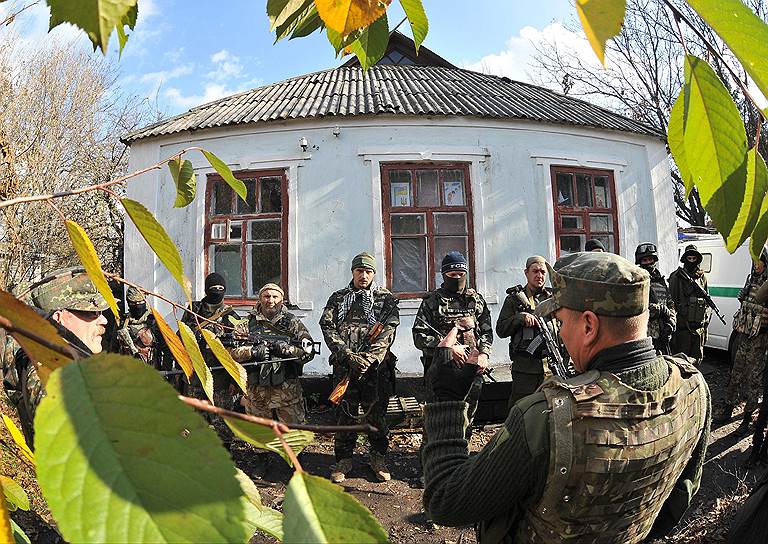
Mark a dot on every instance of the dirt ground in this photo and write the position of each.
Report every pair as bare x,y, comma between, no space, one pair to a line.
397,504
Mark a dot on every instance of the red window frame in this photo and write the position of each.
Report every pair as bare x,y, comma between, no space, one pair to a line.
211,218
388,210
584,211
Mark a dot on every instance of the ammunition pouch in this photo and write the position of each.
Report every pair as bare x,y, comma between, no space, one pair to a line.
697,311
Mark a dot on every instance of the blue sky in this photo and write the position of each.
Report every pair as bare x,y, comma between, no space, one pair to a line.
184,53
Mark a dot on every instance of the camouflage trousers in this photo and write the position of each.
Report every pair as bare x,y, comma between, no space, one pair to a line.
527,374
371,395
746,375
284,402
691,342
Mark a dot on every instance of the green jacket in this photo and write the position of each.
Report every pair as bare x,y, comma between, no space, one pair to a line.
511,323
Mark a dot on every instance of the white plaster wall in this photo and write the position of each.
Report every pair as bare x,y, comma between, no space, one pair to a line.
335,199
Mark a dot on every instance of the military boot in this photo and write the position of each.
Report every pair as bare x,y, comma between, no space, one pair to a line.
341,469
726,415
379,467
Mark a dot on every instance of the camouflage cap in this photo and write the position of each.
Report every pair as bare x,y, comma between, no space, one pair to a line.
134,295
68,289
604,283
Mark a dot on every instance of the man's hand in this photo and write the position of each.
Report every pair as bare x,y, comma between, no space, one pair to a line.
530,320
448,382
479,359
459,354
357,365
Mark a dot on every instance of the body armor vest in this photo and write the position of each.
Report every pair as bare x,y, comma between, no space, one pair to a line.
615,455
525,335
659,295
751,316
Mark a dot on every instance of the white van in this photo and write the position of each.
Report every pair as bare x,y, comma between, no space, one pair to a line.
726,275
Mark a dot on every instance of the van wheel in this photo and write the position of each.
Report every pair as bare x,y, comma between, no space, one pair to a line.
733,345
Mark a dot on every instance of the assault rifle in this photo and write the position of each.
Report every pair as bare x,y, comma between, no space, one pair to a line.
248,364
267,343
703,294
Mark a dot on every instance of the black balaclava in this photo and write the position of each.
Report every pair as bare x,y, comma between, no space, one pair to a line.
137,309
454,262
214,296
691,268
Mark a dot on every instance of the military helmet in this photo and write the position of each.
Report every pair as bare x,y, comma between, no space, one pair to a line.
67,289
691,249
646,250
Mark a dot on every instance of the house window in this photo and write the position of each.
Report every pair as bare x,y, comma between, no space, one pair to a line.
585,208
427,213
246,241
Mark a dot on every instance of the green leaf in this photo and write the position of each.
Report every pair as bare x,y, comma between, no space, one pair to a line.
308,24
14,494
760,232
130,21
198,361
283,13
417,18
372,43
224,171
19,536
121,459
184,177
754,194
92,264
338,42
601,20
235,369
676,142
716,144
316,510
158,239
22,316
175,345
18,438
257,516
265,438
744,32
96,17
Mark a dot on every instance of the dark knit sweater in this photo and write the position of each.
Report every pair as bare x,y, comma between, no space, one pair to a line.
494,487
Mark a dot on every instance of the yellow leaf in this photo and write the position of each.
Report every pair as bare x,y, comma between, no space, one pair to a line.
91,263
6,531
346,16
174,344
602,20
22,316
18,439
198,361
236,370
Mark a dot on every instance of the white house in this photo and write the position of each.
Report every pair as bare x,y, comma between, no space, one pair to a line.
409,160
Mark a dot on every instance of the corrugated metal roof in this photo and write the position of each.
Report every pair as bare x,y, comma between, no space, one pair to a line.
395,90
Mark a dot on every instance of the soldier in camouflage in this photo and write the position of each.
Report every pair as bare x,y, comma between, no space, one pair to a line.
661,309
751,322
438,313
516,321
274,389
221,318
348,318
613,454
139,334
69,300
693,314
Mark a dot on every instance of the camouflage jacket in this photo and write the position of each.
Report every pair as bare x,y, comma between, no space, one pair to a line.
441,308
752,317
511,321
351,333
225,319
142,339
661,309
692,310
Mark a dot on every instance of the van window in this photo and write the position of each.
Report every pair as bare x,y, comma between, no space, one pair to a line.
706,262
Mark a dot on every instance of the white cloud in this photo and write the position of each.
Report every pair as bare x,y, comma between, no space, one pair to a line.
226,66
213,91
158,78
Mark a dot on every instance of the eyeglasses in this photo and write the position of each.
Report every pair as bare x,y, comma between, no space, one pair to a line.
646,248
86,315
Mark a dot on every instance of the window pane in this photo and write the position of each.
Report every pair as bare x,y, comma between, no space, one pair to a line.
402,176
607,240
409,265
427,189
584,189
218,231
235,231
571,222
443,246
408,224
226,261
271,196
222,198
571,243
249,206
453,188
264,264
450,223
602,193
600,223
564,189
265,230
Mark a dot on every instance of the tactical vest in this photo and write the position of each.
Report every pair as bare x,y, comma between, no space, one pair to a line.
450,309
752,317
692,307
274,374
658,295
615,455
524,335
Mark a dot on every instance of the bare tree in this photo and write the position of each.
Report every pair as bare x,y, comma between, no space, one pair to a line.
62,117
645,74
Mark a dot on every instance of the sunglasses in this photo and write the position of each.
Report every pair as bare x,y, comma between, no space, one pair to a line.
86,315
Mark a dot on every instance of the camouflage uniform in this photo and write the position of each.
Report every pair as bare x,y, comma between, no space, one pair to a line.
440,309
528,370
693,315
141,338
751,321
372,390
611,455
662,315
68,289
274,389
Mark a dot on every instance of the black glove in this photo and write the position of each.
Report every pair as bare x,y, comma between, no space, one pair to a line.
449,382
282,349
260,352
